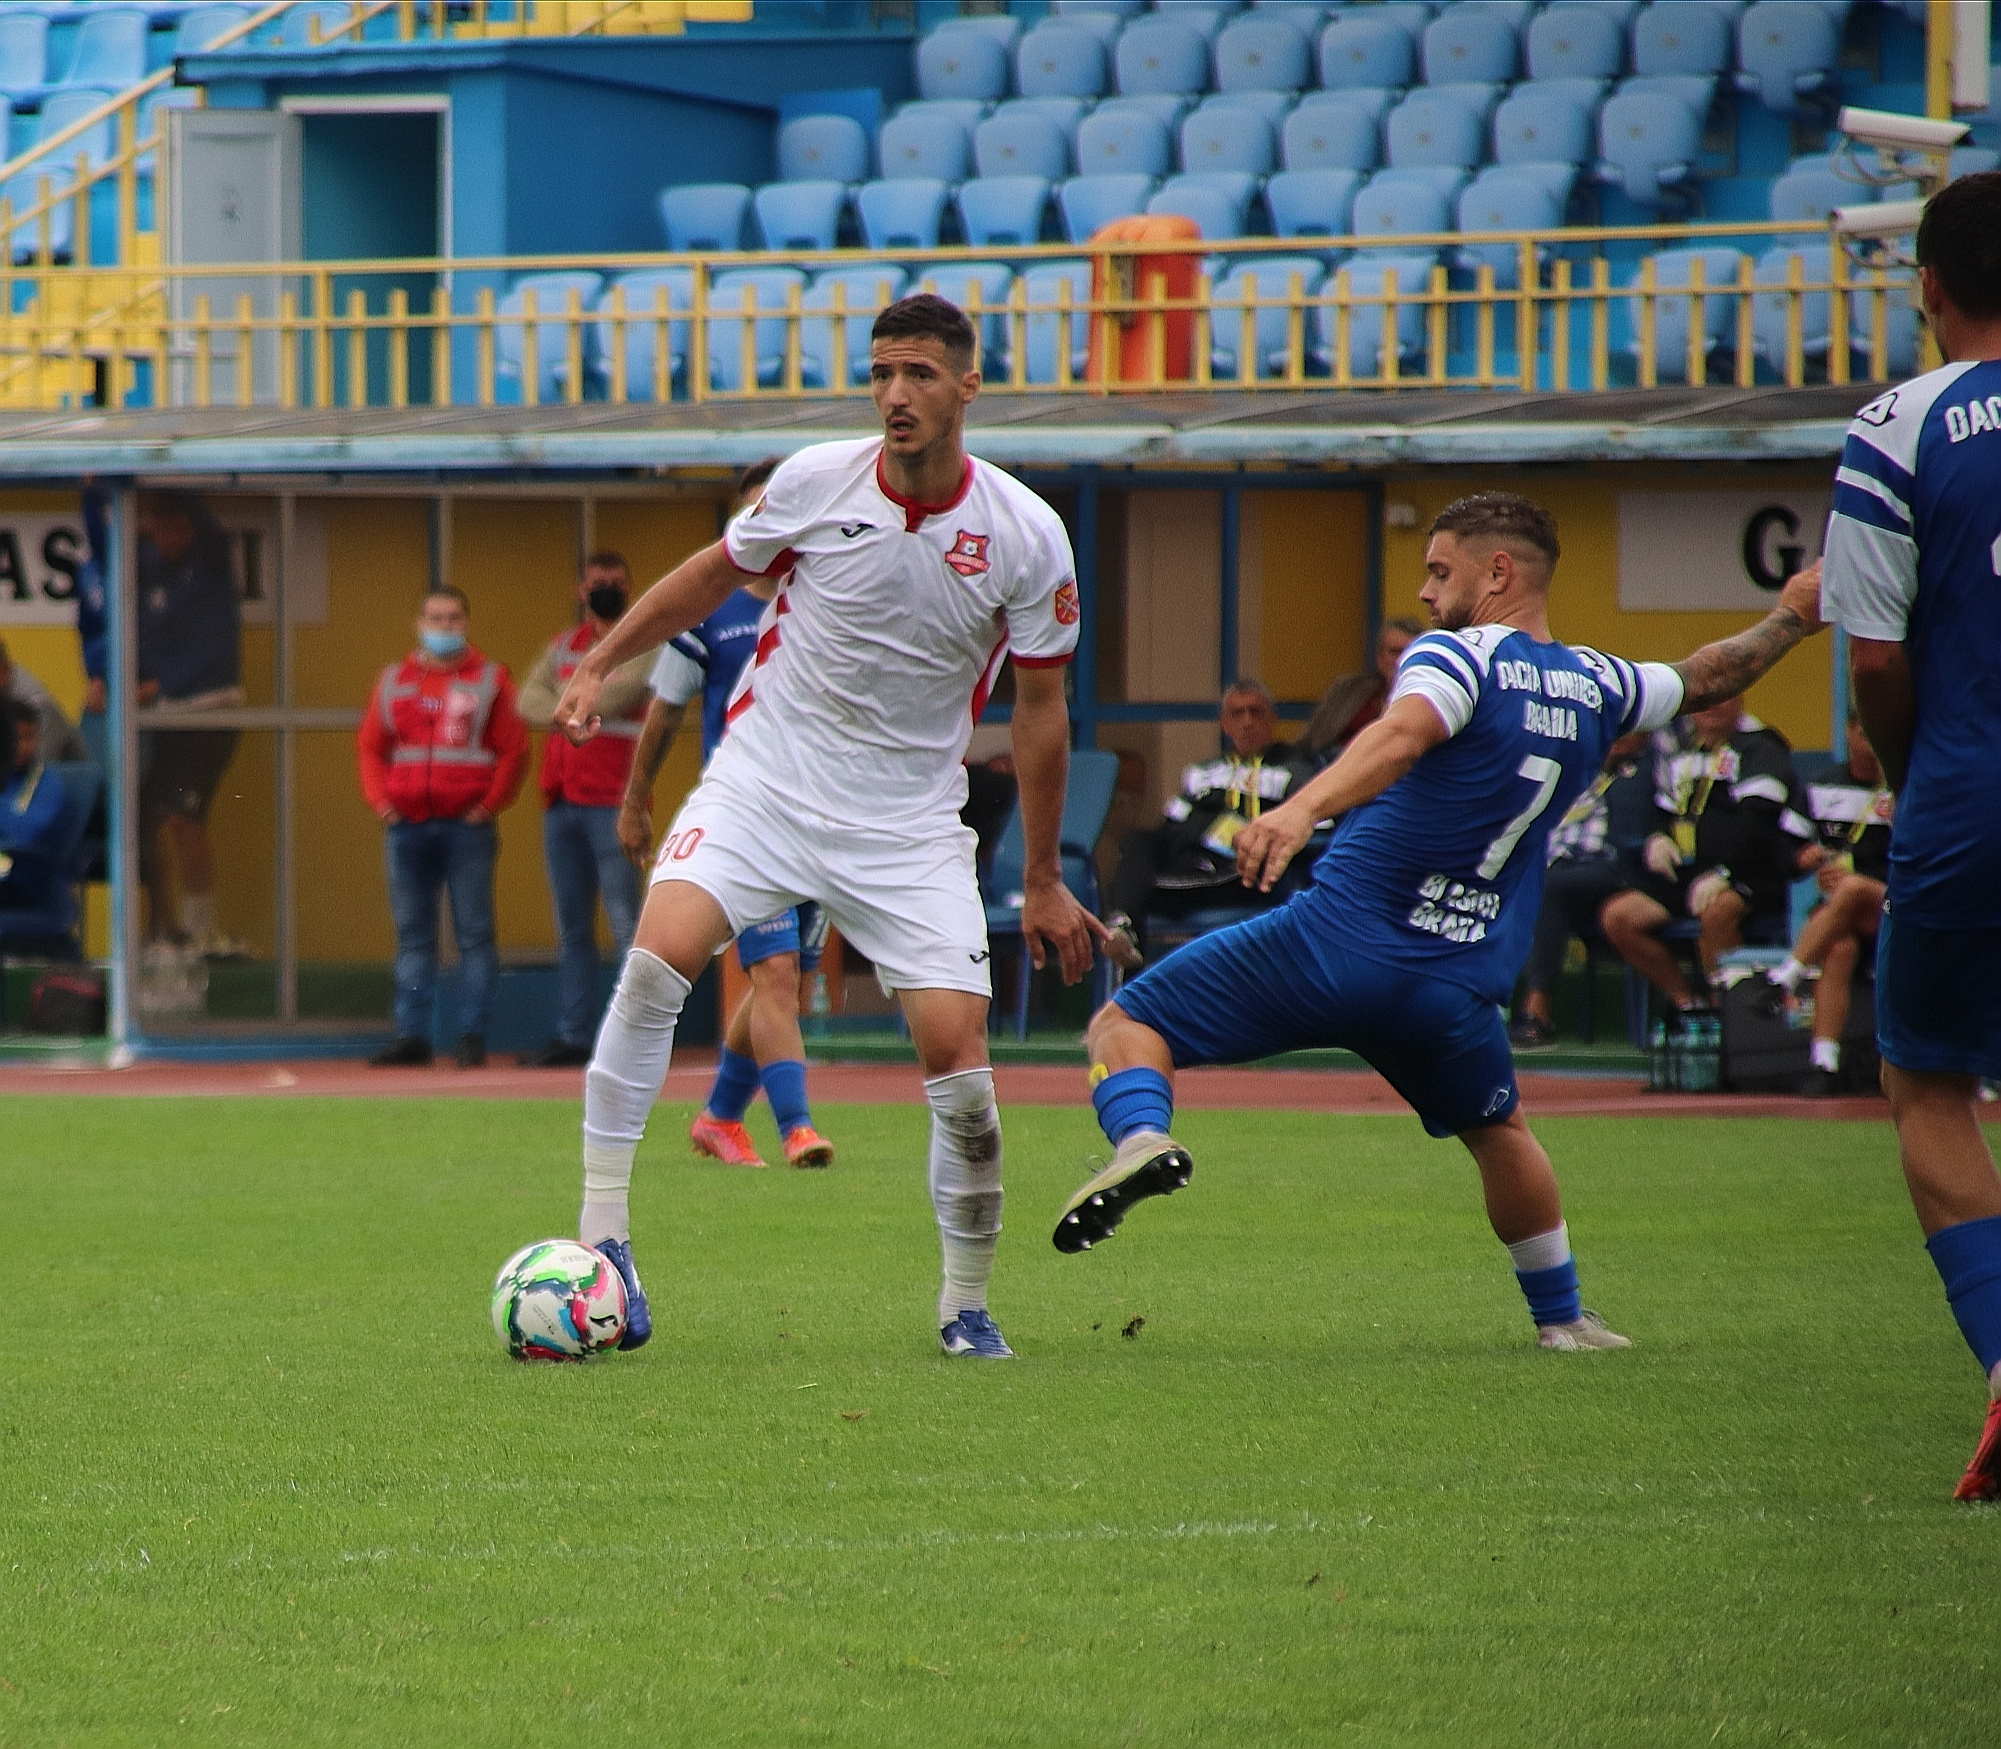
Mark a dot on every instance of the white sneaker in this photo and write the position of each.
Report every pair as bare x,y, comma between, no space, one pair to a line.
1146,1164
1587,1332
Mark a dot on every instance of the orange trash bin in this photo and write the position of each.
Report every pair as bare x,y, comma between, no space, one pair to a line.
1145,350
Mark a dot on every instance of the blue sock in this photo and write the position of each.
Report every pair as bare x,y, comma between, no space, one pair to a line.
1552,1293
1132,1100
785,1087
735,1088
1969,1263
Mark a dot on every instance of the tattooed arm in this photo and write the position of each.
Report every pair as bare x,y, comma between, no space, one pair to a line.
1724,669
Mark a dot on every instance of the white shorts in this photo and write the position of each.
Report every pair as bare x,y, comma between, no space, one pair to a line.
908,900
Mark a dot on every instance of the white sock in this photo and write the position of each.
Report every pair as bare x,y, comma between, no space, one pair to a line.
965,1185
1542,1250
1791,974
1827,1055
198,915
634,1046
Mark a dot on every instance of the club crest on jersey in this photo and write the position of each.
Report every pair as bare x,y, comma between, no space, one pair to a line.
1066,603
968,554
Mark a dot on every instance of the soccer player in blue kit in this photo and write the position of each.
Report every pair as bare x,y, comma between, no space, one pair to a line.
1914,577
1422,908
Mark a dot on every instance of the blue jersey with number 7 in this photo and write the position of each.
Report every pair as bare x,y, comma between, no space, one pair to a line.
1443,871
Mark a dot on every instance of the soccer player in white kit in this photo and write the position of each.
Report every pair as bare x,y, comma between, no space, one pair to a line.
915,572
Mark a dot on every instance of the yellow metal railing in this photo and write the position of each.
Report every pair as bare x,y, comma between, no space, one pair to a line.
447,333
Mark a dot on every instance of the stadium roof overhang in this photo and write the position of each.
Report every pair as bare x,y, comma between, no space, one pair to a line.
1368,431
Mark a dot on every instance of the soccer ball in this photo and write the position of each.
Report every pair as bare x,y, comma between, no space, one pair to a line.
558,1300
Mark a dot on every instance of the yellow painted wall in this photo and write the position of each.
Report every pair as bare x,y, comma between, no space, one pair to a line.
1303,572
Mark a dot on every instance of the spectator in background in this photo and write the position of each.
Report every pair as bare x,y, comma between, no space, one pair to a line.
31,814
1185,863
60,743
581,791
442,750
1356,700
1723,849
189,658
1585,869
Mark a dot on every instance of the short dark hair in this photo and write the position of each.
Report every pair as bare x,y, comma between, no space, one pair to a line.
1500,517
604,559
927,316
756,475
1959,239
452,592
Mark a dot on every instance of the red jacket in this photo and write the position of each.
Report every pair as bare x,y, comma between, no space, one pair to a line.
593,775
437,743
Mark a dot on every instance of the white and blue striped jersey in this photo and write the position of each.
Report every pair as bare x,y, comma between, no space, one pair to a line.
1914,557
1443,872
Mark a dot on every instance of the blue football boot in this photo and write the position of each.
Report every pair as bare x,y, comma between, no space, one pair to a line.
638,1316
974,1333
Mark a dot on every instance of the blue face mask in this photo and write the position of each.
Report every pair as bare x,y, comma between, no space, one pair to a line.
442,644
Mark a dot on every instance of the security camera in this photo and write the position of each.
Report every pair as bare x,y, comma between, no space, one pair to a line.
1889,132
1889,218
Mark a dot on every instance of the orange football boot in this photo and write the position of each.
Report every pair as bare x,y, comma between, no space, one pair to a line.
728,1142
805,1146
1982,1480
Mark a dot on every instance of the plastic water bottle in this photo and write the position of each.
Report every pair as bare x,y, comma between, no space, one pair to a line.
1701,1063
1659,1062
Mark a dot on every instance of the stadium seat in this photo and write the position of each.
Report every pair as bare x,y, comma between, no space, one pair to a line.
1788,50
1330,136
1359,50
1812,193
741,289
1051,334
867,289
1534,126
1119,9
1107,27
1164,107
961,112
704,215
24,46
956,281
1268,283
1122,142
1647,144
1505,198
1409,15
1218,205
1088,202
1066,112
1470,43
201,25
1672,315
23,191
924,146
1021,144
1428,129
1621,12
1371,275
1259,52
800,215
1681,38
1270,107
1402,203
1059,60
1902,336
1375,100
1516,12
148,123
1770,311
1228,139
902,213
962,63
1157,55
1311,203
998,211
1576,42
1206,21
551,334
1001,26
823,148
641,327
110,48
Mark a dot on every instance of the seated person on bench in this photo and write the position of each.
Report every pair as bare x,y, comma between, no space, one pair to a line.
31,816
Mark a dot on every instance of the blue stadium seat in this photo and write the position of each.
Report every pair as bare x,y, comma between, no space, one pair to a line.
1359,50
1696,90
1516,12
1647,144
1397,203
957,281
962,63
1002,26
902,213
1159,55
1682,38
1330,136
1771,312
1219,206
60,109
1166,107
1370,275
1066,112
24,48
1271,107
998,211
1122,142
1411,15
642,326
1228,139
1536,126
961,112
823,148
1902,334
1267,282
1576,42
1306,16
1088,202
1021,144
149,124
1052,333
867,289
1205,20
1787,50
1470,43
704,215
305,27
201,25
1311,203
1505,198
1672,315
1813,193
1261,53
1119,9
1482,99
1426,129
1059,60
742,289
1376,100
800,215
1620,11
924,146
550,344
110,49
1107,27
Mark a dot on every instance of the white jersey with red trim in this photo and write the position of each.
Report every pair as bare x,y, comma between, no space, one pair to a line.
877,655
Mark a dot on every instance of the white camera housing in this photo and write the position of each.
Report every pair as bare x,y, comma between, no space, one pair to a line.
1890,132
1889,218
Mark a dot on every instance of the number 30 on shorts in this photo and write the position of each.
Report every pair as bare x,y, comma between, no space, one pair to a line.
678,846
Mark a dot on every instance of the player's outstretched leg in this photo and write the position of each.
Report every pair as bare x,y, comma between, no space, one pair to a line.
1527,1216
1134,1098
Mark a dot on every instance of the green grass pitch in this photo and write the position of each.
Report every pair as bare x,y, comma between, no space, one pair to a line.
266,1477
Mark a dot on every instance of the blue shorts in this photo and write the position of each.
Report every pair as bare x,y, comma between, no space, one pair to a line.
1938,998
1268,985
802,931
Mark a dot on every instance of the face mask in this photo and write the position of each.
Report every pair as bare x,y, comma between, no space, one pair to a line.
606,600
442,645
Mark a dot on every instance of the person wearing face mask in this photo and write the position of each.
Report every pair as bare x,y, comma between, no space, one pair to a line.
442,750
581,791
